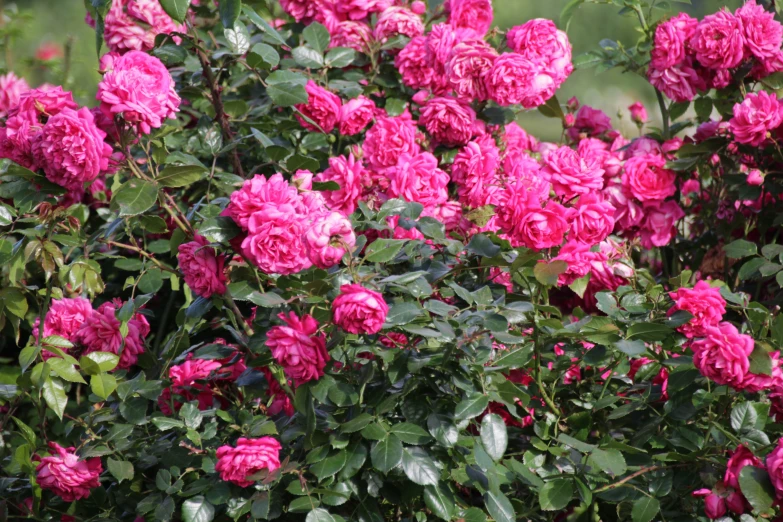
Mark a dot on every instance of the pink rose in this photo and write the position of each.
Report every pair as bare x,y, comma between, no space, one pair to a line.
660,221
758,114
527,224
470,63
301,10
64,318
638,113
704,302
11,88
281,402
71,148
448,121
418,178
393,340
740,458
755,177
572,173
628,212
647,178
100,332
249,457
539,40
413,64
398,20
260,193
678,82
592,220
66,475
671,41
298,347
515,80
774,463
274,240
348,173
590,122
328,239
354,35
359,310
714,504
132,25
355,114
322,107
763,34
201,267
389,139
475,172
360,9
718,41
722,356
185,383
579,258
475,15
518,140
138,87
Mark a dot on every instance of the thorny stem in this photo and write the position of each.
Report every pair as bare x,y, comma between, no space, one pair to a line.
634,475
664,114
234,308
143,254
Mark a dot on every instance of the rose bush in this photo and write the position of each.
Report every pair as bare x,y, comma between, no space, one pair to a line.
301,262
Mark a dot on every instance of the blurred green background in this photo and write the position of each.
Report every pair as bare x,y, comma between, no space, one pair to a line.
58,21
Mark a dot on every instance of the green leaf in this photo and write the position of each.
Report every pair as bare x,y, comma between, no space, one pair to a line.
120,469
402,313
319,515
176,9
410,433
481,245
556,494
443,429
499,506
740,248
419,467
329,466
471,406
54,395
166,423
317,36
552,108
135,197
198,509
264,55
28,355
645,509
181,176
548,273
263,25
229,12
387,454
631,348
287,94
238,38
384,250
307,57
757,488
760,361
98,362
440,501
579,286
357,423
743,417
103,385
14,302
340,57
65,370
649,332
703,107
494,435
609,461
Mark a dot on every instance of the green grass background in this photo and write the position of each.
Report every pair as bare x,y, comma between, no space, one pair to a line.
59,20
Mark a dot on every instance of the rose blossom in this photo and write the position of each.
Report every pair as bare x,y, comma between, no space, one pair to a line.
354,35
590,122
138,87
677,82
647,178
418,178
322,107
348,173
527,224
359,310
11,88
763,34
704,302
722,356
248,457
539,40
638,113
757,115
718,41
355,114
475,172
572,173
398,20
260,193
100,332
71,148
360,9
281,402
579,258
185,383
66,475
470,62
671,40
328,239
740,458
64,318
298,347
201,267
414,64
659,225
593,219
390,138
448,120
515,80
132,25
475,15
274,240
774,463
